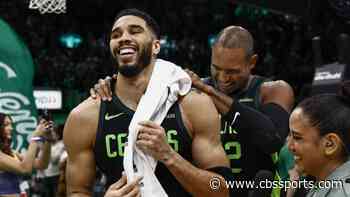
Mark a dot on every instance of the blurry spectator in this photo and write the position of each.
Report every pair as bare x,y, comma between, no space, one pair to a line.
12,164
47,180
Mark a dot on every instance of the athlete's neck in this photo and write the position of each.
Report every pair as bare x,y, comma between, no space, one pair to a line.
130,89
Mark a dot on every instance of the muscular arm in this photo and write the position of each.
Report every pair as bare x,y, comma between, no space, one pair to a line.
277,100
278,92
79,133
207,150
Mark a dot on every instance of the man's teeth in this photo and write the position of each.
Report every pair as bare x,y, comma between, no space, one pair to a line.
296,158
126,51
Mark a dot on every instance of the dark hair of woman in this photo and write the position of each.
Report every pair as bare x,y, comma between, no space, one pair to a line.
5,142
331,113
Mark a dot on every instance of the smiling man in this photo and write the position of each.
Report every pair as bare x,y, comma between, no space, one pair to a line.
263,105
187,144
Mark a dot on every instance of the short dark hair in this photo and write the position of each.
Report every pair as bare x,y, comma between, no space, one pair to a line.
236,37
330,113
151,23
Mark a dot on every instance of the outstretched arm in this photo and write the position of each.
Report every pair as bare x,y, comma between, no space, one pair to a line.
26,163
25,166
222,102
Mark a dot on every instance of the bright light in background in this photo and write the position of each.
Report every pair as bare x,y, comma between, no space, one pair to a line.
70,40
211,39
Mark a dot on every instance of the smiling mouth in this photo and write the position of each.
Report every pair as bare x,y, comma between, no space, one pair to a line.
127,51
225,86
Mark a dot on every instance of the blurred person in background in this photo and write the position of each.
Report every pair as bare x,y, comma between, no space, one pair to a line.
48,178
13,164
320,141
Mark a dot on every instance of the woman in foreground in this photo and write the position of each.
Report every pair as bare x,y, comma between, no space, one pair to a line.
320,142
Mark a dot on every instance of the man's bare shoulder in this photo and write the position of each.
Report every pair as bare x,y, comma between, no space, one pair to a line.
279,92
276,85
81,124
195,99
86,110
199,109
277,89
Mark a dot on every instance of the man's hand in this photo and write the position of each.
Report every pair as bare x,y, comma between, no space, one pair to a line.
152,140
123,189
103,88
198,83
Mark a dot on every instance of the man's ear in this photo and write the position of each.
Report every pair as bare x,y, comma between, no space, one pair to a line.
252,61
156,47
332,144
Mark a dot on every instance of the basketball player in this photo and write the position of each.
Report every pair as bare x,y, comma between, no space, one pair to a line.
250,148
186,144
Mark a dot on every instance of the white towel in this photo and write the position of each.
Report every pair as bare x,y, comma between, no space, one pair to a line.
166,83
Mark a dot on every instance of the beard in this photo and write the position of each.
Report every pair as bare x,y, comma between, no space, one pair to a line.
130,70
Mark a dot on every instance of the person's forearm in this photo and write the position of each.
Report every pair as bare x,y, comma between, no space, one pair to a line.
29,157
196,181
44,157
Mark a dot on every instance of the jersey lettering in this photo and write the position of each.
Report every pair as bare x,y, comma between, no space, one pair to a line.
173,142
233,152
120,140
